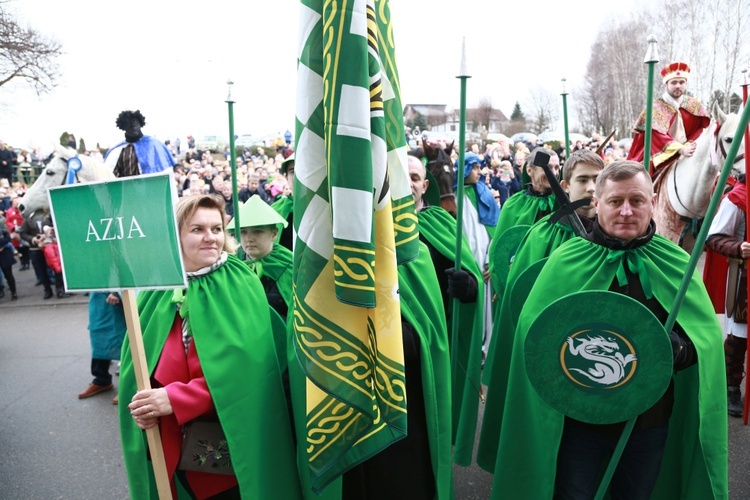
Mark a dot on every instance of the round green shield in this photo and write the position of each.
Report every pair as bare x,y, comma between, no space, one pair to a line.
598,357
521,288
502,254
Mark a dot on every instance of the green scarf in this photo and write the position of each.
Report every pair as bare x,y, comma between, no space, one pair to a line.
540,241
239,363
422,307
439,229
695,458
277,266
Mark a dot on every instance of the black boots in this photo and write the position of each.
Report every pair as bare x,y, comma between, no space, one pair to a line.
734,401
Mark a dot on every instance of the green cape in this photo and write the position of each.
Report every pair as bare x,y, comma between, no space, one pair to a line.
277,265
439,229
284,206
695,458
237,354
422,307
522,208
540,241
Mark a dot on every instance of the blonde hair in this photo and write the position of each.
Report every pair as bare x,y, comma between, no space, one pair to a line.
188,205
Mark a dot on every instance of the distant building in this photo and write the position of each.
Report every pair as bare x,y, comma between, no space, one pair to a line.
442,118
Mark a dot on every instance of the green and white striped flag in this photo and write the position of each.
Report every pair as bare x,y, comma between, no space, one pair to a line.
353,210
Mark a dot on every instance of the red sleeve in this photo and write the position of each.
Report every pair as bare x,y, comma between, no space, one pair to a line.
694,125
636,148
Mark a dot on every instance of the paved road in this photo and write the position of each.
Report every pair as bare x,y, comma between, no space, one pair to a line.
56,446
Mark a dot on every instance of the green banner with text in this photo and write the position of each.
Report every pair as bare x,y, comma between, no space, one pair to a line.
118,234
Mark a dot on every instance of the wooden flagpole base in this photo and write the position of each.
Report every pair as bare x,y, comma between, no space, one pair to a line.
140,367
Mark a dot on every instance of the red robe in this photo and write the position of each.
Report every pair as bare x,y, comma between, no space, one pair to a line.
716,265
694,118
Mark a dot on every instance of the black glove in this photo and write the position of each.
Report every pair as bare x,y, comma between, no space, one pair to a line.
683,351
461,285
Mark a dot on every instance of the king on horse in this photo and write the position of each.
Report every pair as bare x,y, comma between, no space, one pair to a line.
678,121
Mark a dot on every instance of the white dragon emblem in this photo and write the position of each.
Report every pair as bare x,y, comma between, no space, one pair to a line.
608,362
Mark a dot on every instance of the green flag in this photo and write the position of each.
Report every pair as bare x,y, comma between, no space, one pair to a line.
350,165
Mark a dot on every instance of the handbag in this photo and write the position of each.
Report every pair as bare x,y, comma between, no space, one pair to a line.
205,448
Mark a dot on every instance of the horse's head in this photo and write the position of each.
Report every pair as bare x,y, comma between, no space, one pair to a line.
439,164
55,174
727,128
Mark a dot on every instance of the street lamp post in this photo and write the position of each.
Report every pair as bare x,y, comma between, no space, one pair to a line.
233,161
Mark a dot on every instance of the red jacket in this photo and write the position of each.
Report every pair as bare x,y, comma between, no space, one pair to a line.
181,375
52,256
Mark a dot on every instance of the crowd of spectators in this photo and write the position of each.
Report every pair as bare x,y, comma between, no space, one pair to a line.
258,173
503,161
195,172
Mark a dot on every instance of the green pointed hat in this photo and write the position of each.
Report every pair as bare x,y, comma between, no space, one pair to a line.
256,212
286,164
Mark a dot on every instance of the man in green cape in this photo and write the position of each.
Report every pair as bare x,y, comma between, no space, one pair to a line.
528,206
285,205
687,427
437,229
244,381
579,178
523,209
418,466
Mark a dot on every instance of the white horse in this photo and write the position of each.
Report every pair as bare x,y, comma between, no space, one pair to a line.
683,189
56,173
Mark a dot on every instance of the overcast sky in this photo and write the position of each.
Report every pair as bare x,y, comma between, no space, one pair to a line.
172,59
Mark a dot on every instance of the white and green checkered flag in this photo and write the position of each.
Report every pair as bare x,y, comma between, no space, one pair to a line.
352,210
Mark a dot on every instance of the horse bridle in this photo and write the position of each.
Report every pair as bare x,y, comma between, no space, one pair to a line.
719,149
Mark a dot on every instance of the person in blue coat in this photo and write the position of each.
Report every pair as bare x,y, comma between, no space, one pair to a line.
138,153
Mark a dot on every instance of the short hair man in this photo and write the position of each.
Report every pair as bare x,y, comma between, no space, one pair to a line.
622,254
528,206
437,230
678,121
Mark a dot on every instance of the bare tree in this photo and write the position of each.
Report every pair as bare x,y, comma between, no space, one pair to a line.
545,109
26,55
614,90
708,34
484,112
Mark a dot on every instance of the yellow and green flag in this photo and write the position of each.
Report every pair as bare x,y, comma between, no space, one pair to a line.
354,219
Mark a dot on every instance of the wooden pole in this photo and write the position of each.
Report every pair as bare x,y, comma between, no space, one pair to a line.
143,382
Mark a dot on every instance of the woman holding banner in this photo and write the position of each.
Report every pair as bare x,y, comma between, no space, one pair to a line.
215,384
